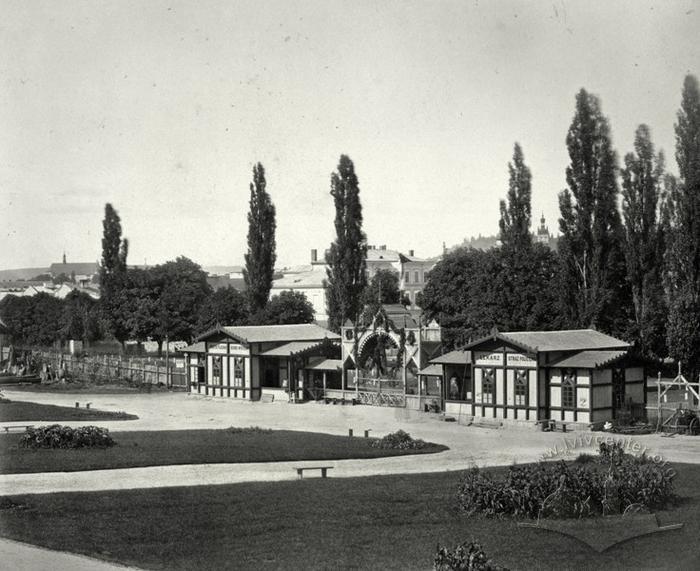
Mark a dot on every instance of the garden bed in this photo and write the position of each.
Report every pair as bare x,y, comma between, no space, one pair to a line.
22,411
166,447
381,522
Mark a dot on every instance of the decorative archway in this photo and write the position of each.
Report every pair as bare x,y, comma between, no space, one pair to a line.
378,356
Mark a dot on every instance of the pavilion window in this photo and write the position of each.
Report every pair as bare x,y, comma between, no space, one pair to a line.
521,388
568,389
238,372
216,370
488,381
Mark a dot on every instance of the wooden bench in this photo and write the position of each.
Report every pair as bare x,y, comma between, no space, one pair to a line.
18,426
267,398
324,470
553,425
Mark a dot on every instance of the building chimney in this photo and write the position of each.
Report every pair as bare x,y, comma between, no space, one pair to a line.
314,255
410,253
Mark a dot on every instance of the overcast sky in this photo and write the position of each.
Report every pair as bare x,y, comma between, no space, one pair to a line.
162,108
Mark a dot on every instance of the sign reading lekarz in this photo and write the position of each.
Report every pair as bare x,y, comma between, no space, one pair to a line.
495,359
489,359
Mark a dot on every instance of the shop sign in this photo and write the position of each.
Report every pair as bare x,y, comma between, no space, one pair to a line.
519,360
488,359
219,348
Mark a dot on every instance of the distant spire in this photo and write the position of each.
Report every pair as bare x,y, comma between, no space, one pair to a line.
64,257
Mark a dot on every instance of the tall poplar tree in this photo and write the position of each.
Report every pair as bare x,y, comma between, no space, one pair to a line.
346,259
642,179
516,213
594,287
683,247
113,274
260,259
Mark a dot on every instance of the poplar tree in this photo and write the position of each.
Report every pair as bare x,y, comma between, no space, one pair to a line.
642,179
261,256
516,213
113,274
346,259
593,280
683,248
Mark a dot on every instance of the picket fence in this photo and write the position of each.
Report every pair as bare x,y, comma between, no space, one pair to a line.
106,368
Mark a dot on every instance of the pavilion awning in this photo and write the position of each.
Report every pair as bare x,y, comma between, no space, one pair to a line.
432,371
457,357
589,359
325,365
292,348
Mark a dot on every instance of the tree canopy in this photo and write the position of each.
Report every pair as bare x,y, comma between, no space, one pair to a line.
594,286
288,307
261,256
517,211
346,277
642,180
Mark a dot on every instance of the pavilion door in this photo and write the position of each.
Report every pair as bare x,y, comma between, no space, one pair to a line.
618,390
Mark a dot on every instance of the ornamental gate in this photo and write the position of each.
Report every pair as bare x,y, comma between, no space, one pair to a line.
381,392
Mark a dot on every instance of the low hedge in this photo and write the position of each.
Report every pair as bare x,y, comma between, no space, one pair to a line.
609,485
468,556
58,436
399,440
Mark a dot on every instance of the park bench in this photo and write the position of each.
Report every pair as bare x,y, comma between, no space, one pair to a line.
324,470
341,400
17,427
552,425
267,398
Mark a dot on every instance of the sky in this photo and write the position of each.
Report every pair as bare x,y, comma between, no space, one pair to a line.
163,107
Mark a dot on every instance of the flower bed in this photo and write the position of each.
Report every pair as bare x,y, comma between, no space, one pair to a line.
58,436
399,440
608,485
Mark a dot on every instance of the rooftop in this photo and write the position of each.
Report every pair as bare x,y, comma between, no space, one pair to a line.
565,340
312,277
589,359
273,333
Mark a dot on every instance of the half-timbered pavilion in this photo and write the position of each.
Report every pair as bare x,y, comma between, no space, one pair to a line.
250,362
578,376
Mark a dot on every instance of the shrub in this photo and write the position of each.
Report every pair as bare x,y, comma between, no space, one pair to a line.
58,436
468,556
399,440
562,490
249,430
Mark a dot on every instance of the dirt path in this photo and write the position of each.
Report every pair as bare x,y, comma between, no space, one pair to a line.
468,445
25,557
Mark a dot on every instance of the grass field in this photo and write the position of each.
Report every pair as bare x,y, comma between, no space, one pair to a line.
383,522
21,411
158,448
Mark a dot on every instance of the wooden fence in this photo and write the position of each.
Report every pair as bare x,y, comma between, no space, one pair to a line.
106,368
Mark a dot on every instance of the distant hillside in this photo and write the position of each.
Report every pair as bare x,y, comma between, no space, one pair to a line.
21,274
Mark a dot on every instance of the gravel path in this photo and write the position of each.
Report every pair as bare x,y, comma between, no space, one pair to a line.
173,411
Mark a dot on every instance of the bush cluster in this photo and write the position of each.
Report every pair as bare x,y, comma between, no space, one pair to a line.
58,436
468,556
249,430
608,485
399,440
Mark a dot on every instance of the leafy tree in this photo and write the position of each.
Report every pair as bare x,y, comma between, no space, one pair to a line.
642,179
683,240
288,307
471,291
261,256
113,273
226,306
63,279
382,289
18,314
346,277
80,318
594,288
516,213
460,295
182,289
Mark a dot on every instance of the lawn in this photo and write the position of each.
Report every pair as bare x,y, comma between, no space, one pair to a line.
79,387
158,448
21,411
382,522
